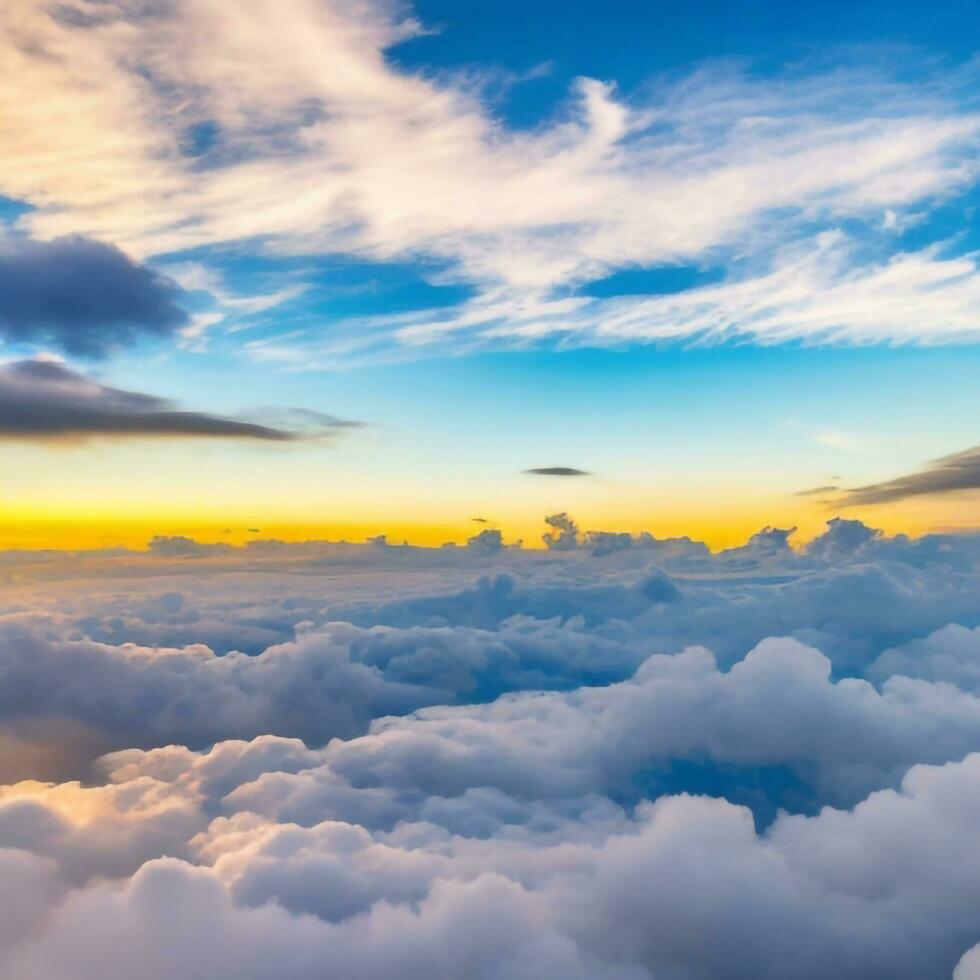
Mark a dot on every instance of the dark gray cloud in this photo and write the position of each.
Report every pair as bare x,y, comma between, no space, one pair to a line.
961,471
46,400
557,471
82,296
816,491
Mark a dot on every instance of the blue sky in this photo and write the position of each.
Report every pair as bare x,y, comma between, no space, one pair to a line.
653,328
711,254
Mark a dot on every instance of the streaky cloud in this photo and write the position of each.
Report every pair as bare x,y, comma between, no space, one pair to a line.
557,471
46,400
524,217
816,491
949,474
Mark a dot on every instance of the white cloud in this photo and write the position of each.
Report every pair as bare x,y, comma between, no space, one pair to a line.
819,293
889,886
968,967
197,277
323,146
951,654
128,695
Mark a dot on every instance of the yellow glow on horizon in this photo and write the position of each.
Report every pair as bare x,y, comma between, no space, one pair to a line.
114,495
28,528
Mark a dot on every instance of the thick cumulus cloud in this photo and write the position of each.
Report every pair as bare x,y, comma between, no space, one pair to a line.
968,967
117,696
82,296
951,654
615,757
683,887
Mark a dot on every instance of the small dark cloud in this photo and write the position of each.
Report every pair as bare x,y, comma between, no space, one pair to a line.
480,520
949,474
557,471
46,400
82,296
816,491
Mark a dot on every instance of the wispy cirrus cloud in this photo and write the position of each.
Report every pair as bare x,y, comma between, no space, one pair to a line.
230,309
819,292
386,164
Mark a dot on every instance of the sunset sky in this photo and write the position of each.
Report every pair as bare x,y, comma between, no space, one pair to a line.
335,270
489,490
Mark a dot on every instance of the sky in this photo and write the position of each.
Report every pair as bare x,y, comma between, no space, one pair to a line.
489,491
331,270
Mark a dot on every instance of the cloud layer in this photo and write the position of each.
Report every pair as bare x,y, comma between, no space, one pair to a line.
616,757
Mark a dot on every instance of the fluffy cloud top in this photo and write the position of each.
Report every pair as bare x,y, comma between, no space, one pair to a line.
359,761
480,885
